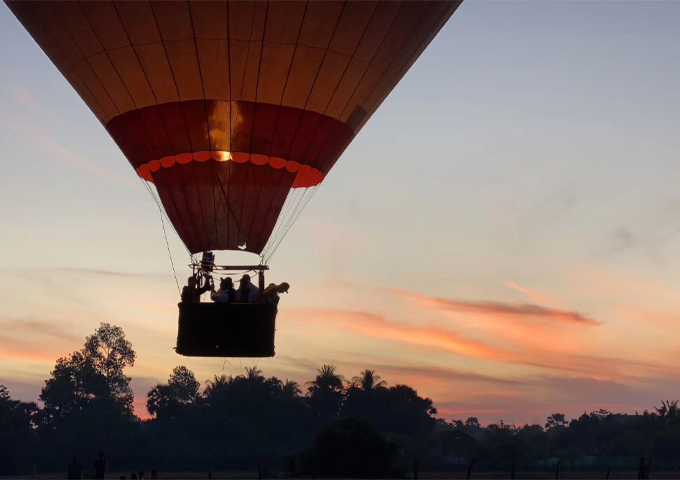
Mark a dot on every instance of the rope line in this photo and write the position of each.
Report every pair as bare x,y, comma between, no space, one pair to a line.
167,244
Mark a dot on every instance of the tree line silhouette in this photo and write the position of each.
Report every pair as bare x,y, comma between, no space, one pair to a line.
330,426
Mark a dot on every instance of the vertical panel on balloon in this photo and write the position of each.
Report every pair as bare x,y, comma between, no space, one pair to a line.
173,20
128,67
111,81
305,132
376,30
242,114
157,70
351,26
171,190
227,228
207,191
138,22
329,76
184,65
363,90
348,84
173,119
155,128
274,190
236,180
75,21
251,202
264,126
403,25
252,68
286,129
220,125
196,120
415,43
303,73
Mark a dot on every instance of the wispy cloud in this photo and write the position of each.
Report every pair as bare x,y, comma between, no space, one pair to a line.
532,354
24,97
33,327
493,308
55,149
532,294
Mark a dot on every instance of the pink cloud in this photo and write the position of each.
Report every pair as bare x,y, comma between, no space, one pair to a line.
498,308
540,353
38,134
24,97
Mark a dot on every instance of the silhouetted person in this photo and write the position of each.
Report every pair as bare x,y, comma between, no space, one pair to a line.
100,466
271,293
192,292
642,469
226,293
247,292
141,475
154,474
133,476
75,468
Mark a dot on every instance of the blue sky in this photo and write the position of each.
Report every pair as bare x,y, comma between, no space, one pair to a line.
530,156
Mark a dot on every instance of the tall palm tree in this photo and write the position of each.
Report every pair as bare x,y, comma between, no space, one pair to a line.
291,389
254,373
368,380
218,385
326,379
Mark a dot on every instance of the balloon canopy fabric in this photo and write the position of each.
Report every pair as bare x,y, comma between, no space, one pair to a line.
229,107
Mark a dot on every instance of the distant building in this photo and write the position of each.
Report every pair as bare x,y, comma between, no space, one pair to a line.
454,446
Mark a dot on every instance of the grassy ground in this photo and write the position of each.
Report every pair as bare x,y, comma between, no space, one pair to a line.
422,475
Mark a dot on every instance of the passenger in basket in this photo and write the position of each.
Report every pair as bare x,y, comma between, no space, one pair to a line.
247,292
271,293
192,292
226,293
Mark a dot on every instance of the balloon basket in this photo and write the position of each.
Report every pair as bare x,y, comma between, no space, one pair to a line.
233,330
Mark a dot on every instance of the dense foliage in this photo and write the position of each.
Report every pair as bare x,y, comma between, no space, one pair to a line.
327,427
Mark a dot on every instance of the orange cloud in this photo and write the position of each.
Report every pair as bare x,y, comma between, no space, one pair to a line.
533,295
539,354
29,105
498,308
73,158
24,97
377,326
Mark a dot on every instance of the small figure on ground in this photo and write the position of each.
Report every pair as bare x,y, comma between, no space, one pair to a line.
642,469
193,290
247,292
100,466
75,468
141,475
154,474
271,293
226,293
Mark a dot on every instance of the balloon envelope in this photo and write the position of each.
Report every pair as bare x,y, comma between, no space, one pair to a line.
228,107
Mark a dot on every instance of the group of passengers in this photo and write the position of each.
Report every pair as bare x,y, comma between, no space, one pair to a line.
246,292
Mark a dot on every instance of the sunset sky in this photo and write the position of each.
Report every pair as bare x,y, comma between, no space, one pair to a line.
503,235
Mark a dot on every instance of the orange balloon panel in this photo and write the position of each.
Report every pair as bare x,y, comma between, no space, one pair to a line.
227,106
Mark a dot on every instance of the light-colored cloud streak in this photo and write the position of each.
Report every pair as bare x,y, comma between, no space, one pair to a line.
429,337
498,308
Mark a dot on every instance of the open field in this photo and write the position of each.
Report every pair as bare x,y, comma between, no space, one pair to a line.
536,475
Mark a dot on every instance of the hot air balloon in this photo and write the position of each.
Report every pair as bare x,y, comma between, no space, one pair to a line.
233,112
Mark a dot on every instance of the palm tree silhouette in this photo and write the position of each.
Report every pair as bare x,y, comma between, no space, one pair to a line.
217,386
367,380
326,379
291,389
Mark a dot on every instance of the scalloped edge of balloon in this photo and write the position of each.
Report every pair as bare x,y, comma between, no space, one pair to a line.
306,176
